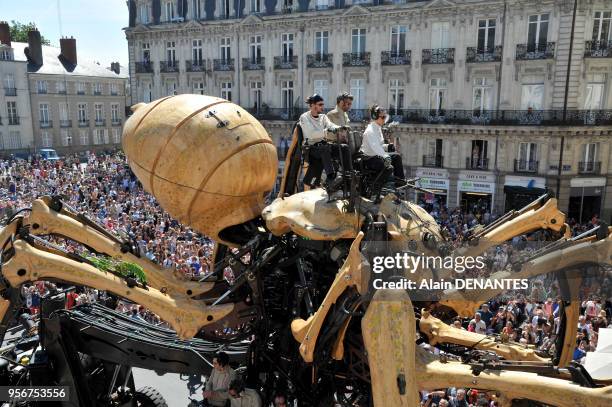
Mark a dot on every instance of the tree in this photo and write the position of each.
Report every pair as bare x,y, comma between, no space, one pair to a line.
19,32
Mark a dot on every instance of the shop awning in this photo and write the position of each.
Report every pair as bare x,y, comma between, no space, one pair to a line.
512,189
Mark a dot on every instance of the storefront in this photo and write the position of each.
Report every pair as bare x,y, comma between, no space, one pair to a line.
475,191
521,191
586,196
436,181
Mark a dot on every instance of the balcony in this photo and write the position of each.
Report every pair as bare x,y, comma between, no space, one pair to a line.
475,55
589,167
254,64
116,122
42,91
356,59
144,67
434,161
65,123
169,66
61,92
395,57
529,52
13,120
476,163
100,122
285,62
10,91
528,167
195,65
597,49
44,124
320,60
83,122
223,65
267,113
97,92
80,92
114,93
439,56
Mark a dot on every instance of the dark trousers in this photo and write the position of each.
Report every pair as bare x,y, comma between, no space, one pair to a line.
385,167
320,157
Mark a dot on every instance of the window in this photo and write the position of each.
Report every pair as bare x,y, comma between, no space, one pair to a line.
226,8
171,87
589,153
147,93
116,136
61,87
13,140
41,86
46,139
197,7
9,81
170,52
113,89
287,95
358,40
198,88
169,10
358,92
97,88
146,52
398,40
481,95
81,88
66,137
434,151
63,112
11,108
439,35
43,110
322,4
256,6
226,91
255,49
287,47
82,112
437,93
486,35
527,156
144,13
115,112
601,26
538,32
478,158
321,42
594,99
255,95
99,112
5,55
84,137
196,52
225,49
532,96
321,87
98,136
396,96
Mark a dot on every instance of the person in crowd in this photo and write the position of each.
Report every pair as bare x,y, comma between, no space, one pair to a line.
217,384
480,327
241,396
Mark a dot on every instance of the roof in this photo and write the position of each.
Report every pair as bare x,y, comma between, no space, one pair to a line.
52,65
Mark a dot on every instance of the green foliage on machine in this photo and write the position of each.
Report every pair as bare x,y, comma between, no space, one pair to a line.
122,268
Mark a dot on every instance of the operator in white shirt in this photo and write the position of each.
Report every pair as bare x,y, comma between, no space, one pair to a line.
315,125
373,147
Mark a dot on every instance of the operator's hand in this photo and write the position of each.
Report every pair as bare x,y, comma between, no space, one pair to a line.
209,394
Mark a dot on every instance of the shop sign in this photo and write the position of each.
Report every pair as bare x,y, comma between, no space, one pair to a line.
476,186
434,183
587,182
432,173
477,176
527,182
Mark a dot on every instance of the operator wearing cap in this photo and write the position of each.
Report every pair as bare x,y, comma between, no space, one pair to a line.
373,148
315,125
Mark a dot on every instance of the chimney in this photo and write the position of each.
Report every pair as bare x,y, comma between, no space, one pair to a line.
34,49
68,48
115,67
5,33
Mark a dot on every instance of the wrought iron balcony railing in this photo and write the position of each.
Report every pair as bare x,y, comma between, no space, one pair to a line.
356,59
320,60
286,62
484,55
83,122
223,64
267,113
13,120
97,92
254,64
526,166
116,122
472,163
169,66
598,49
439,56
100,122
436,161
395,57
144,67
589,167
526,52
65,123
195,65
44,124
10,91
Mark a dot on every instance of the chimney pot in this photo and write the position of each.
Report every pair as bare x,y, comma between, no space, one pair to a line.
68,49
5,33
35,54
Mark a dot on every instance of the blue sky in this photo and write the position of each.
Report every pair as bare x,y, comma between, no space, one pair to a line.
96,24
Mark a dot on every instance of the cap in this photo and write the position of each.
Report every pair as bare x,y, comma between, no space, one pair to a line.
316,98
